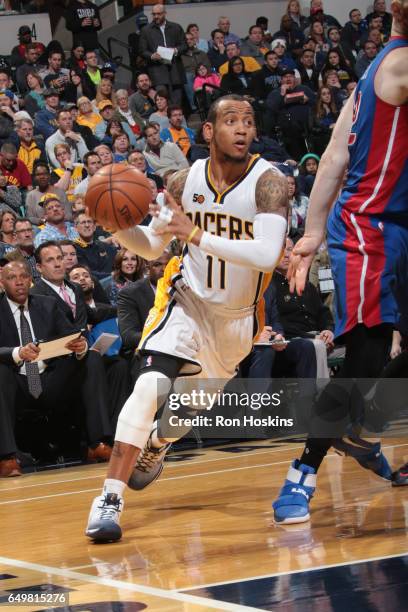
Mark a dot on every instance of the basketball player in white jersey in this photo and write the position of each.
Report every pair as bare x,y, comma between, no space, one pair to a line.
230,211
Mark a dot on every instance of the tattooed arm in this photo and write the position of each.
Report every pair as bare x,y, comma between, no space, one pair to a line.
272,194
261,253
145,241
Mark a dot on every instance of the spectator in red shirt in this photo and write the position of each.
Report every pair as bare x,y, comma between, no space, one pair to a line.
18,52
12,167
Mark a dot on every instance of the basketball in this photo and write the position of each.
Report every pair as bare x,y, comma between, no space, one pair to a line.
118,196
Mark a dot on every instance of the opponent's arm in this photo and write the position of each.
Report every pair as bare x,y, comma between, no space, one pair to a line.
261,253
330,175
144,241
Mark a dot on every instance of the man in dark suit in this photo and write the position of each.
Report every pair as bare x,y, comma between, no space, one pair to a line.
69,298
296,358
23,319
134,302
50,263
164,33
116,367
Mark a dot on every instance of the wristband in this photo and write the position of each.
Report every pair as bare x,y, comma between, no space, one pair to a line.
193,233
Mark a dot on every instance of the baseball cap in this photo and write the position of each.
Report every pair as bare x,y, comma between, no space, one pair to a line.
285,168
104,104
109,67
47,93
309,156
141,20
288,71
48,197
8,93
278,41
316,10
24,29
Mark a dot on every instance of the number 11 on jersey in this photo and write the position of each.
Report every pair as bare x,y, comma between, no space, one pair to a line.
211,270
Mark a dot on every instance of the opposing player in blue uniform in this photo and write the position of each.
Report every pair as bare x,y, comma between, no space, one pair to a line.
367,234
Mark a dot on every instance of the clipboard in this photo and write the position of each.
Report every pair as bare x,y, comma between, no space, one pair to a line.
55,348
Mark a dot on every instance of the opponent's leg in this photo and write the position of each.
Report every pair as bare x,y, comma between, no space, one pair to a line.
366,351
386,403
133,429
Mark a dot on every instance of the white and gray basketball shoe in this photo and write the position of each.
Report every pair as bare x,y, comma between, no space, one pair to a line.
104,518
149,464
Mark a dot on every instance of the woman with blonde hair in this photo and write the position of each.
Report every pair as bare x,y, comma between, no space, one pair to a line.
87,115
68,175
105,91
295,13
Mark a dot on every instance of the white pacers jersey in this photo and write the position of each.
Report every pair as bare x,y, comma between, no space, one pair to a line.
231,215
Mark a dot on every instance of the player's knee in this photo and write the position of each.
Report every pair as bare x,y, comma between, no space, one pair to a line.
136,417
152,387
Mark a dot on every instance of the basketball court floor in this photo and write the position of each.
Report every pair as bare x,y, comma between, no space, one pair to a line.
202,538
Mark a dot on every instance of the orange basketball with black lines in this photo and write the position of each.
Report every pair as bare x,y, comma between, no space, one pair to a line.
118,196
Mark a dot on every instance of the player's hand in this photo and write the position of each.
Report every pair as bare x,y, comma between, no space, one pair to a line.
301,260
155,57
78,346
395,350
327,337
29,352
180,225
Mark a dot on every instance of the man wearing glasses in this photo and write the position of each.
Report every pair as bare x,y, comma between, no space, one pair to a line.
163,33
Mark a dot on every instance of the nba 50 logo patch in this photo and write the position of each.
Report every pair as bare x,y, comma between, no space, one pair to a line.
199,199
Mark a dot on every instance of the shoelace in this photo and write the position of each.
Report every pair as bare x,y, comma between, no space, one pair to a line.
109,509
148,458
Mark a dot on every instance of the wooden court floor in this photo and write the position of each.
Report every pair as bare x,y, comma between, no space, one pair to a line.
202,537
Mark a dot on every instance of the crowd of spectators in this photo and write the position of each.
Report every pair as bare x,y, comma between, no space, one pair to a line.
62,117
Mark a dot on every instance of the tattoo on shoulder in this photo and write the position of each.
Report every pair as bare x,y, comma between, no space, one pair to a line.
271,194
176,184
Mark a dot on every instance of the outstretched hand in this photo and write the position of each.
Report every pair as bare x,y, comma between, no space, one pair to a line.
300,261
